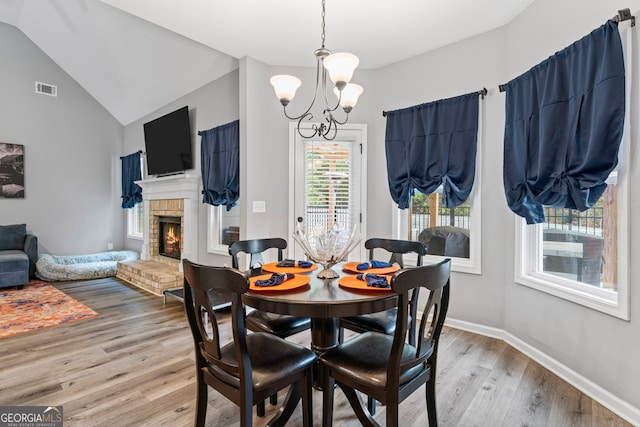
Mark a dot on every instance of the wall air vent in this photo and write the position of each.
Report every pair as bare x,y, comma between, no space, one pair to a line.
46,89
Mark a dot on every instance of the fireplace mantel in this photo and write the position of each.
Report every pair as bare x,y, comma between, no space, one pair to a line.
184,186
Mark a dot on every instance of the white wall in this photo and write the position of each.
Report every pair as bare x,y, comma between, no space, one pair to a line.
72,148
209,106
600,348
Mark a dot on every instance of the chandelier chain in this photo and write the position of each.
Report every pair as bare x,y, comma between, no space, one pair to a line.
286,86
323,23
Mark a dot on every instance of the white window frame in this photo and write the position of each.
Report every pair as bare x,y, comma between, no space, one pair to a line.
528,268
473,264
132,222
214,245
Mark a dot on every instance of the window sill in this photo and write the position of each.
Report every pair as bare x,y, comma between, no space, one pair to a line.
219,250
603,300
460,265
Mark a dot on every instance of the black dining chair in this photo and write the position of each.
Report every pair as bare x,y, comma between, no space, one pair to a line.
281,325
252,366
385,321
386,367
262,321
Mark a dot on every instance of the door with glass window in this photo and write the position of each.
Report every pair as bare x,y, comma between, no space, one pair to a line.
327,186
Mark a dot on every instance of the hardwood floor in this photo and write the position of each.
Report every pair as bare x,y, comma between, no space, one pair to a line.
133,365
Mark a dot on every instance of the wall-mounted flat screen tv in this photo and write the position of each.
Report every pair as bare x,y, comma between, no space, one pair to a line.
167,141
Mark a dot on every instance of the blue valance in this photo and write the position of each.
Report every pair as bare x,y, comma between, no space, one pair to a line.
131,171
432,144
220,164
563,126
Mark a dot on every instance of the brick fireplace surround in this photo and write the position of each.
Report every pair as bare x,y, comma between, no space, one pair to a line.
166,196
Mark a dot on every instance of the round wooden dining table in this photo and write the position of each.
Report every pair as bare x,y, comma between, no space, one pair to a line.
324,301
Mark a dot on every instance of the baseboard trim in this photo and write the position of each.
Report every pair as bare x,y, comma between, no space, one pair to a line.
620,407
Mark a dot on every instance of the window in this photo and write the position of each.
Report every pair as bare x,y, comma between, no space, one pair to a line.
224,228
584,257
419,215
580,256
135,221
451,233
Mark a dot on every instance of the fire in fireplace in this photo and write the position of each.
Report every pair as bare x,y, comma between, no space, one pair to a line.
169,237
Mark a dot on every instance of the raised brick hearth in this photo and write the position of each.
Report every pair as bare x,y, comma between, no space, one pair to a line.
152,276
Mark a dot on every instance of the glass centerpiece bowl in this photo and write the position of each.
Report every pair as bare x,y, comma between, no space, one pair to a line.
326,247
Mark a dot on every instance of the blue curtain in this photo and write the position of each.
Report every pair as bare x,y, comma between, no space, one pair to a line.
131,192
432,144
563,126
220,157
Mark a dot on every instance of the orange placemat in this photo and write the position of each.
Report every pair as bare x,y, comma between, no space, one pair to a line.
273,268
351,267
352,282
297,282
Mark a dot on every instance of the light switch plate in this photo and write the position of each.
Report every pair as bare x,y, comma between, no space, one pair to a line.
259,206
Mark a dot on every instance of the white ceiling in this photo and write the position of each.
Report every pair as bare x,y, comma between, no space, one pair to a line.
135,56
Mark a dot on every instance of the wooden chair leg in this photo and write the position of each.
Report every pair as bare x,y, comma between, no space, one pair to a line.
273,399
288,406
392,416
260,409
371,405
246,412
201,402
307,398
365,418
328,386
430,391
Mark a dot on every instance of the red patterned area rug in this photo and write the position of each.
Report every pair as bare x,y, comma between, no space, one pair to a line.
38,305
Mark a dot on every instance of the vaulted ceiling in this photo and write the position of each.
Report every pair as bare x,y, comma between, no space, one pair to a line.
135,56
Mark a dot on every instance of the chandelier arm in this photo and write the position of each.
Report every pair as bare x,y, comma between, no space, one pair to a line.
314,127
331,128
324,93
346,119
315,95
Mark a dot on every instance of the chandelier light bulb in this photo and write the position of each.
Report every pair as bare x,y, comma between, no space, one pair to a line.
285,87
341,66
349,97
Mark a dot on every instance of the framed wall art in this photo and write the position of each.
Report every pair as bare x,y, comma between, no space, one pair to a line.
11,171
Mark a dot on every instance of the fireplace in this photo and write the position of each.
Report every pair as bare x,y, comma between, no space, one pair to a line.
169,235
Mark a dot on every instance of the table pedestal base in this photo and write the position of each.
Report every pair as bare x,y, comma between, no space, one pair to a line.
324,336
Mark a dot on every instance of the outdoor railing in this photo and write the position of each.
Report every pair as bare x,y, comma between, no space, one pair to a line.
587,222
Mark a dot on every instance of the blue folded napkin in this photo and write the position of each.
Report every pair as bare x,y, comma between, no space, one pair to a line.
275,279
373,264
294,263
374,280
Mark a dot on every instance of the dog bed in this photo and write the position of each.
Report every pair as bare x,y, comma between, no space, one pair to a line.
81,267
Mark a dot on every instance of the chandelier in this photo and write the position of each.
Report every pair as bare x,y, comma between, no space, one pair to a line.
340,67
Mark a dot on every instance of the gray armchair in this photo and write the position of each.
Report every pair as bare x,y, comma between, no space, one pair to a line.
446,240
18,255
